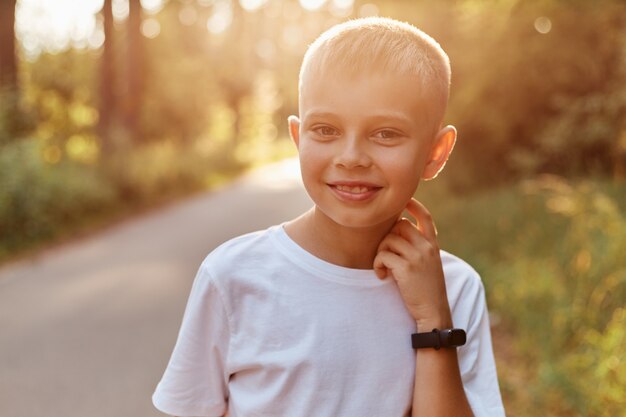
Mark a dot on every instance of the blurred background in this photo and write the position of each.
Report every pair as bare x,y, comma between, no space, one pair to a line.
112,107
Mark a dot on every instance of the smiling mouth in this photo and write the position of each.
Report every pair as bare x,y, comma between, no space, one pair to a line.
355,192
359,189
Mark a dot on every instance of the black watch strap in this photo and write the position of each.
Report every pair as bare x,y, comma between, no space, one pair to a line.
439,338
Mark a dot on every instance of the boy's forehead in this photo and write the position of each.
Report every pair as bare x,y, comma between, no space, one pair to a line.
337,86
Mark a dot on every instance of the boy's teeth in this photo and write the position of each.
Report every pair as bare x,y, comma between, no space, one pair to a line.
353,190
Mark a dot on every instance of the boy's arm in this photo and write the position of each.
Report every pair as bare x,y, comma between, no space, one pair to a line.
410,254
438,387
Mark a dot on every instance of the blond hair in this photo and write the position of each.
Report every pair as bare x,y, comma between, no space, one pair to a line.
378,44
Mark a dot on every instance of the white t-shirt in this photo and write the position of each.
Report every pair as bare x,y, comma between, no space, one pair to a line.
271,330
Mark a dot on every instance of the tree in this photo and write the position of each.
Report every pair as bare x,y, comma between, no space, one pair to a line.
8,64
107,78
8,72
135,69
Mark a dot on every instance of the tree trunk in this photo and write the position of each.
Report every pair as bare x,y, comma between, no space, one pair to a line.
8,64
107,80
11,120
134,71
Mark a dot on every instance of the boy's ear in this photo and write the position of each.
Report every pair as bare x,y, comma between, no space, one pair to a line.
440,152
294,129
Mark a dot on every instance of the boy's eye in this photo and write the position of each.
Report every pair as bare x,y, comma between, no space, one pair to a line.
386,134
326,131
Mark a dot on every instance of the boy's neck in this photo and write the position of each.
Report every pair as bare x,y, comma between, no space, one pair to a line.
340,245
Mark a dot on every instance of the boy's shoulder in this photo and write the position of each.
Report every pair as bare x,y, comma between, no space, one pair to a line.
456,268
463,284
246,252
245,246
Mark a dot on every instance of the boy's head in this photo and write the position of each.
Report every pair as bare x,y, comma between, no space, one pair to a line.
379,45
372,95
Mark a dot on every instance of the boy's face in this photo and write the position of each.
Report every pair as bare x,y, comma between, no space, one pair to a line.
364,145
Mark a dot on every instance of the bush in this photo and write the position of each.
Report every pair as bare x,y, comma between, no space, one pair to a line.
38,200
161,170
41,200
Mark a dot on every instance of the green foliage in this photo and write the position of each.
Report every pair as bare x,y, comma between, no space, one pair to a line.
526,98
43,197
39,200
7,102
551,253
527,102
15,120
58,90
179,81
161,170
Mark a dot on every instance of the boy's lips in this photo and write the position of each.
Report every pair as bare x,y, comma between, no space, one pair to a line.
354,190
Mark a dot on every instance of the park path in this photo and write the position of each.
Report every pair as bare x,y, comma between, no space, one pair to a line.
86,329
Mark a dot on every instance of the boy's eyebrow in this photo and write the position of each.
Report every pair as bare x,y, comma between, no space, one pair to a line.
383,115
319,113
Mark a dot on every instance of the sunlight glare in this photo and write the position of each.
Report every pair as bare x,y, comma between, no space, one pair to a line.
42,26
543,25
252,5
152,6
341,8
311,5
368,9
291,11
292,36
188,15
343,4
221,18
273,10
82,148
266,49
150,28
120,9
283,175
96,40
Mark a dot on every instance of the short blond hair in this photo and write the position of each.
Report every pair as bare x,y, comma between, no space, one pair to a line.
379,44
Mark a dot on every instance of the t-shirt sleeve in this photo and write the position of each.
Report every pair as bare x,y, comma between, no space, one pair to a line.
195,380
476,360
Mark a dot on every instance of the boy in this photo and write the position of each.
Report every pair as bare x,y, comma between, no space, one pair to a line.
315,317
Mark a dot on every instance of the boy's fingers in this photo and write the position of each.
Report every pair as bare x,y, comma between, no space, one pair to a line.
424,219
405,228
383,263
396,243
380,269
381,272
379,266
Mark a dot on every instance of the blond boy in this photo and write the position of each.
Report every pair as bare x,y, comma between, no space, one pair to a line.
315,317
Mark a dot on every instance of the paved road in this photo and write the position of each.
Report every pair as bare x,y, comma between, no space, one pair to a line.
87,329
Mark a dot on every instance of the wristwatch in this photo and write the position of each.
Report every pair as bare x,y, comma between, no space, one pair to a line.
439,338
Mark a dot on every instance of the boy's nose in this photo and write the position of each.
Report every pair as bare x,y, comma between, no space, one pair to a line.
352,153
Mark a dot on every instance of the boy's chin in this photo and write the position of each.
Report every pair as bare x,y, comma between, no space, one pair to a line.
351,221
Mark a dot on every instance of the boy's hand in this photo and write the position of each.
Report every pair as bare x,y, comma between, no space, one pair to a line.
410,255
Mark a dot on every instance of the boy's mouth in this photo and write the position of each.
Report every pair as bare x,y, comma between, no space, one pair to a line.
358,189
354,191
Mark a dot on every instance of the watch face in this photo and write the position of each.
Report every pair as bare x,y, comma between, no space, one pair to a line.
456,337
